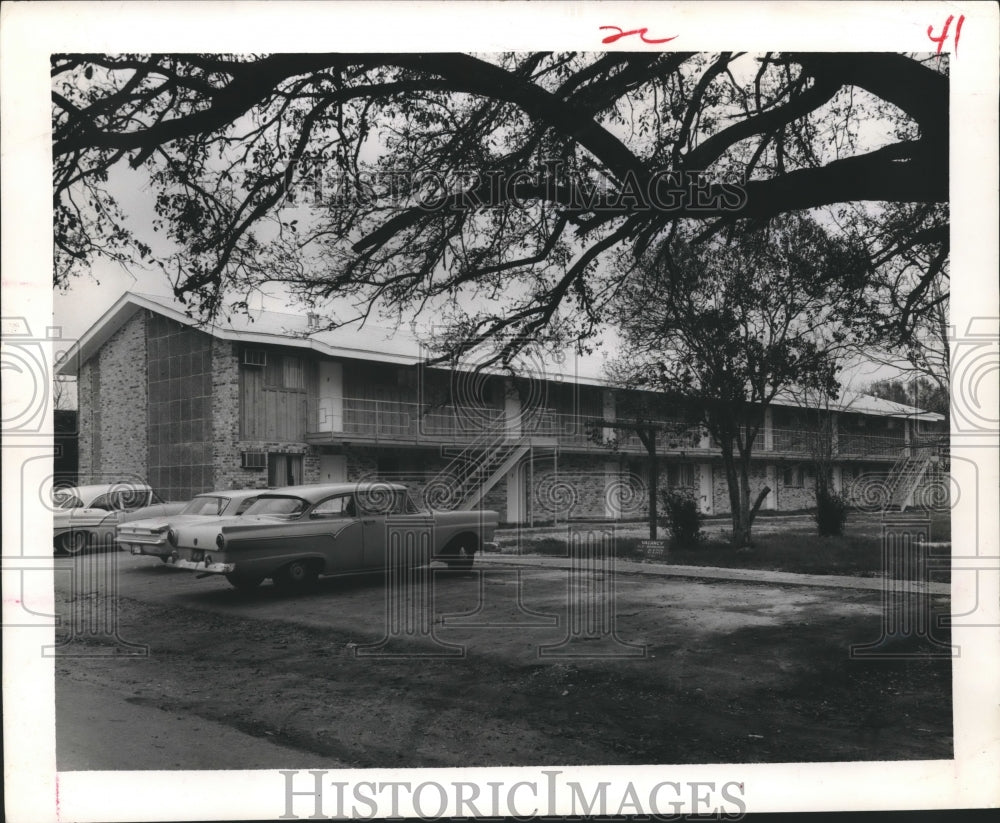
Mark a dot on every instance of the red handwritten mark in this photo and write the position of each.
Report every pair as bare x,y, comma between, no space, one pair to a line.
944,32
611,38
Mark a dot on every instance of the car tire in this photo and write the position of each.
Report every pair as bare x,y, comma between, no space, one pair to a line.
73,542
297,575
244,582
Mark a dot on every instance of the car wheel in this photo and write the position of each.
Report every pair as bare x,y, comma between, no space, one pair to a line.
298,574
463,555
73,542
244,582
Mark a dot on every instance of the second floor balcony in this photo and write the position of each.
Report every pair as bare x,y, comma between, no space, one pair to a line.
392,422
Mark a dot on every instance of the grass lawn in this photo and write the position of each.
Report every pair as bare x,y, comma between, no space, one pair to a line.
788,547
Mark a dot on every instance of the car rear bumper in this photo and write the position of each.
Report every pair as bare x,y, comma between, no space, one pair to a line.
160,549
201,566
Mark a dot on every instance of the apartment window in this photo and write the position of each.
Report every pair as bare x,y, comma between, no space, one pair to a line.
795,477
284,469
284,372
680,475
792,477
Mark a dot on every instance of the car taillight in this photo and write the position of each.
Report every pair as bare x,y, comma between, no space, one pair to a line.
172,537
220,541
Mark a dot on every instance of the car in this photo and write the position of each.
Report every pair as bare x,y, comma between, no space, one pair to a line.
87,515
294,535
144,531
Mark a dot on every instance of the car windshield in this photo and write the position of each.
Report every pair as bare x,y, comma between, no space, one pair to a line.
288,506
209,506
68,501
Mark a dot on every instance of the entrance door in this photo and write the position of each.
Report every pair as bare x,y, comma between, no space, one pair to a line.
332,468
331,397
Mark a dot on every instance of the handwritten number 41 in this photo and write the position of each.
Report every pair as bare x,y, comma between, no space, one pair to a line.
944,33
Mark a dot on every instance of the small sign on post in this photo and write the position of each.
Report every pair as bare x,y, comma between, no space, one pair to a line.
654,549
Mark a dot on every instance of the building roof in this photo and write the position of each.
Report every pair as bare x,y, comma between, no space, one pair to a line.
371,342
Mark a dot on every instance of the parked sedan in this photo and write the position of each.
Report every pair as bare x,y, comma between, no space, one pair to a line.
87,515
148,535
295,534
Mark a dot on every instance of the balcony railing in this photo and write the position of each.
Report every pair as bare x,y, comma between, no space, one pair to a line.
393,421
845,444
399,421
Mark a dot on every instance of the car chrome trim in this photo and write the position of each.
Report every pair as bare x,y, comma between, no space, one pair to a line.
213,568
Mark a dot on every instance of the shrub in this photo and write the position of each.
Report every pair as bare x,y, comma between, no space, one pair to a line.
681,517
831,513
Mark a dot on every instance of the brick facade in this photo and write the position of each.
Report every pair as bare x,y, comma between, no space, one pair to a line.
86,429
112,397
226,418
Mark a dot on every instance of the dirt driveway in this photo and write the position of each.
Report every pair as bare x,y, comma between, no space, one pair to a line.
503,666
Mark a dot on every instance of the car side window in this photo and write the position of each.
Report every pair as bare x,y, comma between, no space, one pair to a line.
130,499
102,502
382,501
340,506
246,504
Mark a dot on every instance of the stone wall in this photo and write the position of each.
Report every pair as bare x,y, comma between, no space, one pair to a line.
86,421
791,498
758,479
112,399
226,420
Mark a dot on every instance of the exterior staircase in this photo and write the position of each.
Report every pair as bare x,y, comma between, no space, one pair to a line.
913,467
470,475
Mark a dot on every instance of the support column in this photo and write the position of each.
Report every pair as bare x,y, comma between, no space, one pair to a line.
515,494
705,502
609,414
771,501
511,409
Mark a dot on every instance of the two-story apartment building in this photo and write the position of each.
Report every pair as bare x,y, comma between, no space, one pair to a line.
272,401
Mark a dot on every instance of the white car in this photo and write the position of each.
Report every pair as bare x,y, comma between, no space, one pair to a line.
145,530
87,515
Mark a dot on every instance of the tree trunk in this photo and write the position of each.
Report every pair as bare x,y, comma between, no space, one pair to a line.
654,476
740,528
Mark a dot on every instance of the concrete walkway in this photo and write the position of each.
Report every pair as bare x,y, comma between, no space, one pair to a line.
831,581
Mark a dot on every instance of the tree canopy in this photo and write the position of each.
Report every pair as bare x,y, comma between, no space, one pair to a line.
726,328
514,181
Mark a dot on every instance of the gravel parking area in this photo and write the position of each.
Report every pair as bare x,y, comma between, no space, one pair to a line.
504,667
